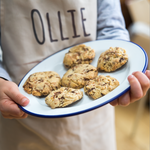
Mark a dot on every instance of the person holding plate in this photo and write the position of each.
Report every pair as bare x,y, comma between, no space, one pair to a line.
30,32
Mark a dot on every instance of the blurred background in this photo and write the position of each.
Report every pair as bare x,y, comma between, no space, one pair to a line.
132,122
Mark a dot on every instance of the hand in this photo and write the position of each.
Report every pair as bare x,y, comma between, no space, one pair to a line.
140,83
9,98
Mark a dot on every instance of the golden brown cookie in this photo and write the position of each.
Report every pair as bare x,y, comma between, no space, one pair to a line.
77,76
62,97
112,59
42,83
80,54
100,86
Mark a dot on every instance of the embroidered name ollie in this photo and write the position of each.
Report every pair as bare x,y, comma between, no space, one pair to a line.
41,40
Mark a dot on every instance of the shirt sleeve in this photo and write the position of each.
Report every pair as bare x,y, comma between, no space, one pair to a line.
3,73
110,21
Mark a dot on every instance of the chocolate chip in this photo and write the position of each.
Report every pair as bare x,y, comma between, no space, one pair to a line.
70,75
62,97
121,59
89,70
90,90
66,88
79,61
88,59
85,49
50,76
102,94
86,79
67,66
57,93
40,80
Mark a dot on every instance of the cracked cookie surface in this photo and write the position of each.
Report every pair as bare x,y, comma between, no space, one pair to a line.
112,59
62,97
42,83
100,86
77,76
80,54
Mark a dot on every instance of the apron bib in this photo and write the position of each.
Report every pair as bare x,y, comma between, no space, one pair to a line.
32,30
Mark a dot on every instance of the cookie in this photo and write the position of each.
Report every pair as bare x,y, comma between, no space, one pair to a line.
100,86
112,59
42,83
62,97
80,54
77,76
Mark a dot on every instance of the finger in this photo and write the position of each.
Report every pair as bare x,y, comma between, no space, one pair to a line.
147,73
16,96
135,88
144,81
25,115
8,116
124,100
114,102
9,107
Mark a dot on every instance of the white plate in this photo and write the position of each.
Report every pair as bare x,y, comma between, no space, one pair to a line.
138,61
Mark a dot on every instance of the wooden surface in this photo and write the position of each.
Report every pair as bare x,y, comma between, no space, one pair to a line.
125,117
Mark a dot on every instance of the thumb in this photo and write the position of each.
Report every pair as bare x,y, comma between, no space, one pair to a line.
17,97
148,73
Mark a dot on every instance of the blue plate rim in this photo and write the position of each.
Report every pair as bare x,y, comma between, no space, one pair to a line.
89,109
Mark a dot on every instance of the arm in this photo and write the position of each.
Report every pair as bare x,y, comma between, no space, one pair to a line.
9,96
111,25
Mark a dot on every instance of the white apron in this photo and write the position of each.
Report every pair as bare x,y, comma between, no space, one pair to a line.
30,31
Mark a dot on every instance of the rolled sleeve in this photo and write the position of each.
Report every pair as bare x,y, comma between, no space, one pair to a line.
3,73
110,21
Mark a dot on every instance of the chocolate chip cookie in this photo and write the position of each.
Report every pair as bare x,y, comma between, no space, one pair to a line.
100,86
80,54
77,76
42,83
112,59
62,97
